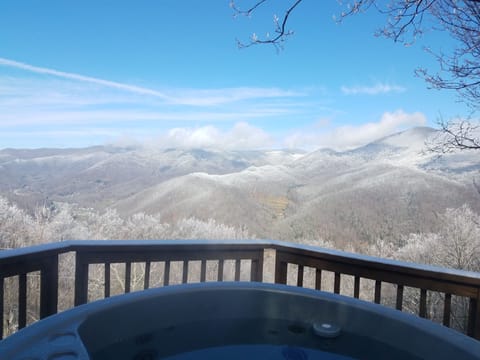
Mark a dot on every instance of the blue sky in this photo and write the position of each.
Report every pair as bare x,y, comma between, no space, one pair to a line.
169,73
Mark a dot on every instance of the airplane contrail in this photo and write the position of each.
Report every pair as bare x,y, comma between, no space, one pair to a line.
73,76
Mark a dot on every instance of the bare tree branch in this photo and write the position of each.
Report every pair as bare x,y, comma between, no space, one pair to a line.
247,12
455,135
280,30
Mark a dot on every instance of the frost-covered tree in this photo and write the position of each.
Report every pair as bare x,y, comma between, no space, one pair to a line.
146,226
16,226
68,222
456,245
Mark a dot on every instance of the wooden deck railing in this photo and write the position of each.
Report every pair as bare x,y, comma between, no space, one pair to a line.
197,261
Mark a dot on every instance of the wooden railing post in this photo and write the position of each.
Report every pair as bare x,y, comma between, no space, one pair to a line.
81,279
49,287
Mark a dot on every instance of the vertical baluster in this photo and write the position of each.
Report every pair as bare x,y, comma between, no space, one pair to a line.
166,273
318,279
473,329
203,270
237,269
300,275
423,303
356,287
447,309
281,272
336,283
22,301
378,291
128,276
107,280
146,279
220,270
185,272
399,302
256,270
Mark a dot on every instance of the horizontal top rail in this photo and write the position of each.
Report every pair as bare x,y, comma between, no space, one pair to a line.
463,277
104,246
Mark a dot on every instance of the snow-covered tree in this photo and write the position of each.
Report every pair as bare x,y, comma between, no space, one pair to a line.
456,245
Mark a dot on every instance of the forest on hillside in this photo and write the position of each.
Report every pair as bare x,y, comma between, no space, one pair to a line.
455,244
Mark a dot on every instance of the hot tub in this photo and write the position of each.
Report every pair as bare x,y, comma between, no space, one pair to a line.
235,321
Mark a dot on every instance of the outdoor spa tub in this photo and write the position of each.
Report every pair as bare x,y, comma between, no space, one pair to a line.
235,321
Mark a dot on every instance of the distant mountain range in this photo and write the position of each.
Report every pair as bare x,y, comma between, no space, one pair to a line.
382,190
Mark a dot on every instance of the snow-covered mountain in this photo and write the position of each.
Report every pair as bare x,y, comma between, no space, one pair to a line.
97,176
389,187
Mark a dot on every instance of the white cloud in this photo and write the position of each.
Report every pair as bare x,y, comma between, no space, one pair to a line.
241,136
352,136
375,89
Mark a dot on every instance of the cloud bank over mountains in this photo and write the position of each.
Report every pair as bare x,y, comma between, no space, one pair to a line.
350,136
241,136
244,136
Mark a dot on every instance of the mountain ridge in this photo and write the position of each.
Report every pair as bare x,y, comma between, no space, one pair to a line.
383,189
